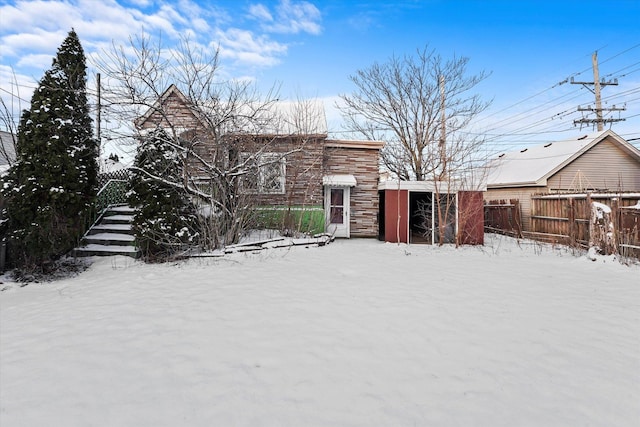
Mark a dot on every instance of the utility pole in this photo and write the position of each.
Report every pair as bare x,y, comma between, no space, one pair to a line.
597,84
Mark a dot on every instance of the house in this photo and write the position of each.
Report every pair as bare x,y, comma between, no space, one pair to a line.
7,151
597,162
298,168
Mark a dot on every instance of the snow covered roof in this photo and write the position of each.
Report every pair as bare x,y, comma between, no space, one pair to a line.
533,166
451,186
339,180
281,117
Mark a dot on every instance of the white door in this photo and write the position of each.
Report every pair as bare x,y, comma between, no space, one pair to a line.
336,210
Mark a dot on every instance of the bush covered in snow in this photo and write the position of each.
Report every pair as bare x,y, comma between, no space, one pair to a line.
165,224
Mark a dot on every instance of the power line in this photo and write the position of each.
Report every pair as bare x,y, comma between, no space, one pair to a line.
527,113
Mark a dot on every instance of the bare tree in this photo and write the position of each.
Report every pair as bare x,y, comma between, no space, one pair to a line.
419,105
232,141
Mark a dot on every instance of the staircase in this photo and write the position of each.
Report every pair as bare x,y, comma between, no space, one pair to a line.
111,235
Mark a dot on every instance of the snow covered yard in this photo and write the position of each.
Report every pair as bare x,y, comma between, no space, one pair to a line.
356,333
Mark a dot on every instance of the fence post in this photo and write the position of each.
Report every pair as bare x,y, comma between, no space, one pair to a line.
515,215
617,224
589,209
571,215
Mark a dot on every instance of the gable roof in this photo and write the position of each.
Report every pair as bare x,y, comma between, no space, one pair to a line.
157,105
306,117
535,165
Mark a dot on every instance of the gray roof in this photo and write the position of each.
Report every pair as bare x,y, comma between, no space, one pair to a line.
534,165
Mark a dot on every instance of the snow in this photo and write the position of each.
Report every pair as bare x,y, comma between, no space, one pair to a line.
112,236
114,227
531,165
120,217
601,208
109,248
354,333
636,206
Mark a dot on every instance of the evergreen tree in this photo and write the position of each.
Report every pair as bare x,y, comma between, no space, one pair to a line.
51,187
165,223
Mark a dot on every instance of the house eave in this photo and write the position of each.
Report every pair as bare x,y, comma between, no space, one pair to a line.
427,186
530,184
343,143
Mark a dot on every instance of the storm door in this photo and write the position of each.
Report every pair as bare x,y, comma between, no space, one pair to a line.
336,205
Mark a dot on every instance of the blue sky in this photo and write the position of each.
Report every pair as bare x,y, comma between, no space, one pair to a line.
312,47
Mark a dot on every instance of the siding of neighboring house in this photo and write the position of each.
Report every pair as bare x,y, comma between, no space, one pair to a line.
7,151
522,194
360,159
604,167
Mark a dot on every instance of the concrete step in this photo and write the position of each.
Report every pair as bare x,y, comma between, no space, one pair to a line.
112,236
121,228
106,250
110,239
117,219
127,210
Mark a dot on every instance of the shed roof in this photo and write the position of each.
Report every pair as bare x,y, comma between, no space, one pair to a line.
431,186
533,166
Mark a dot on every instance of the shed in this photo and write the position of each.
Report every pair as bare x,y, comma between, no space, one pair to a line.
413,211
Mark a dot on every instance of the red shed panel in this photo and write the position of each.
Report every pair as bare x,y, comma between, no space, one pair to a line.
396,216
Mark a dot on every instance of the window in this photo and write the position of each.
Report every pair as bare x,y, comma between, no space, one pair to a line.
266,173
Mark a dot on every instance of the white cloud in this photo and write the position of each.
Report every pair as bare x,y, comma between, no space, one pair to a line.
31,31
260,13
290,17
38,41
243,46
43,15
142,3
36,61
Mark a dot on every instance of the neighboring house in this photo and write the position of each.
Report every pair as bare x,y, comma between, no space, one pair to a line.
336,178
7,151
601,161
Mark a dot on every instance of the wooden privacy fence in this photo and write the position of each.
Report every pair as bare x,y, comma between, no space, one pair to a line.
565,218
502,216
629,237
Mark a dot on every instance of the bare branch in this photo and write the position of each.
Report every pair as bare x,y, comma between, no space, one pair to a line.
402,101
